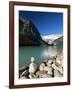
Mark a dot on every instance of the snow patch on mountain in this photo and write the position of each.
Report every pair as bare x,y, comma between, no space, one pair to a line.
50,38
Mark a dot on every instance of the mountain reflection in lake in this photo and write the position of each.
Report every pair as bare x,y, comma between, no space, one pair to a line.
39,52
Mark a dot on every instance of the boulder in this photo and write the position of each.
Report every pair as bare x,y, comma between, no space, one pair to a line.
25,73
32,66
41,67
57,69
45,76
59,61
46,68
23,77
54,66
48,64
49,71
41,74
57,73
32,76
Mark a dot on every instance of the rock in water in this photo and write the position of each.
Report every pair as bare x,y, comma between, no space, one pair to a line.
25,73
32,66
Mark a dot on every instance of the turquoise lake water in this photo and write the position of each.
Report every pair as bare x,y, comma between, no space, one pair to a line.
39,52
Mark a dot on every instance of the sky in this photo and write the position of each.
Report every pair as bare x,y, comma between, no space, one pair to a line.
46,22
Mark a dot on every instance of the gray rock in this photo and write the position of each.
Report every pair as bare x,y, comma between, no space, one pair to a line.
41,67
49,75
25,73
57,73
32,66
41,74
59,61
23,77
50,71
45,76
46,68
32,76
58,67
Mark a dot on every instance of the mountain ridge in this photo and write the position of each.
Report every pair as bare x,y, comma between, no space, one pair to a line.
29,34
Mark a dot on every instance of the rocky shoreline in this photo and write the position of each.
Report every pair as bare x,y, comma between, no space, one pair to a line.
49,68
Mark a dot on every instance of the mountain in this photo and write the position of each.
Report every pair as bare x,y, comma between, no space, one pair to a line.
29,34
58,41
51,38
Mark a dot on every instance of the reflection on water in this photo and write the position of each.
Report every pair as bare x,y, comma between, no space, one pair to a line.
40,53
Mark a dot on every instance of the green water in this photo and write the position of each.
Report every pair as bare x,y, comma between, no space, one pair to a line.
39,52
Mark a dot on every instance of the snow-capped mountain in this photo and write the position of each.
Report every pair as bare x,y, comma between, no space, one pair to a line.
50,38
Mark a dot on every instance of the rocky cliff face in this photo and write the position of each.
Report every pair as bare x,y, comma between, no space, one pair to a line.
28,33
58,41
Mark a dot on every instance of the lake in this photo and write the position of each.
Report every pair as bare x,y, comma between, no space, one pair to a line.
39,52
